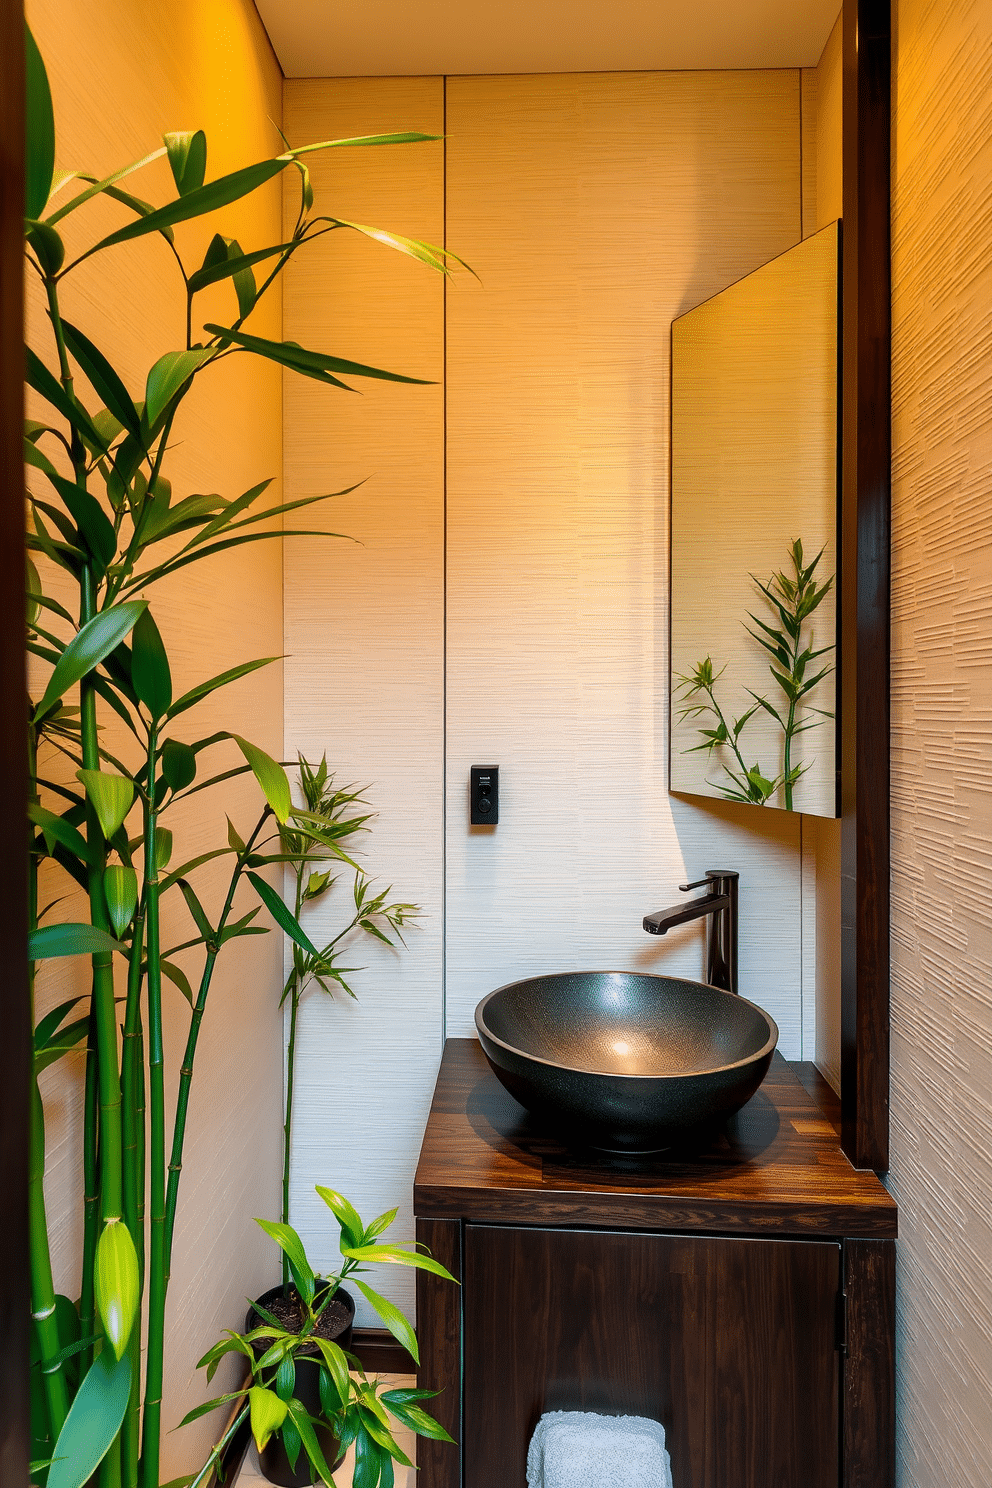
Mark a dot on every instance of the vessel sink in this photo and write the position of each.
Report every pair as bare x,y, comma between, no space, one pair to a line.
624,1061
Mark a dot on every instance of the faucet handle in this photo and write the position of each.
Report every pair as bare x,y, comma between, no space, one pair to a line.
701,883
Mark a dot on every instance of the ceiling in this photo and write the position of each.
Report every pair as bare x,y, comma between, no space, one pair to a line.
383,38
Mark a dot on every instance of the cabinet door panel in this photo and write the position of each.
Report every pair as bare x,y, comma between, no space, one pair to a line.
729,1343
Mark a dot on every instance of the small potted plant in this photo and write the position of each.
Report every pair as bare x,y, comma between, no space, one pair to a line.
306,1397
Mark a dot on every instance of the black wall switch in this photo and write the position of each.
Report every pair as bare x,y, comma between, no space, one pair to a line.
484,795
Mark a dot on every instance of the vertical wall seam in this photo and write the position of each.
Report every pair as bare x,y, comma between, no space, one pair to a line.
444,568
802,170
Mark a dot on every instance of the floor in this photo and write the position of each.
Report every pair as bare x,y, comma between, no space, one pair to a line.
250,1473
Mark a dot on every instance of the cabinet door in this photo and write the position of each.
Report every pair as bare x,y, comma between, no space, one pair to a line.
730,1343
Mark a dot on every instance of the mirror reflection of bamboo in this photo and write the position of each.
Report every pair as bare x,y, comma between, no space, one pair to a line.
789,642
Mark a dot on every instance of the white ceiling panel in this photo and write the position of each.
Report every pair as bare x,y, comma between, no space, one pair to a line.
383,38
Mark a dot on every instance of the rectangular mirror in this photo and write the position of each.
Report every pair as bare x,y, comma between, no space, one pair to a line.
755,484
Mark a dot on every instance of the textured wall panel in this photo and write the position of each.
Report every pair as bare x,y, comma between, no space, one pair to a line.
364,637
123,72
942,738
595,208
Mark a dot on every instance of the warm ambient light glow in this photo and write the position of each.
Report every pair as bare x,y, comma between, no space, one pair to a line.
621,1047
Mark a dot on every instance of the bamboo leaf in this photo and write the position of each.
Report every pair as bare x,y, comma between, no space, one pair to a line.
88,647
95,527
50,1022
289,1241
392,1317
337,1365
298,359
150,671
120,890
106,185
216,268
93,1421
106,383
394,1255
425,253
270,776
352,1229
178,764
112,797
179,979
267,1413
69,939
58,829
303,1425
187,152
116,1283
49,248
38,376
283,917
196,910
197,694
39,164
169,374
219,193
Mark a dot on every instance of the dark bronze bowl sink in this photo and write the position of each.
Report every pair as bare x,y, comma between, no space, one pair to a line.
622,1060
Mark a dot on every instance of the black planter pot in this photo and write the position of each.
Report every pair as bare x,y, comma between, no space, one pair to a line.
272,1459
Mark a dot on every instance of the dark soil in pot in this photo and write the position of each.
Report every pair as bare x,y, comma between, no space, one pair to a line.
336,1323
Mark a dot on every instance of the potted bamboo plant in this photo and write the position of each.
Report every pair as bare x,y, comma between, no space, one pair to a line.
307,1397
104,516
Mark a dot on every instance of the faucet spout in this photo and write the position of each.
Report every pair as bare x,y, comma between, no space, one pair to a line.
720,904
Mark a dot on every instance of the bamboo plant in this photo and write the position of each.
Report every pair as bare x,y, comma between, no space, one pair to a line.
104,516
794,597
370,912
354,1408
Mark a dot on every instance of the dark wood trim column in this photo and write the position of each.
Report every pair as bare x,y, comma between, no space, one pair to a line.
14,1011
439,1333
868,1404
865,568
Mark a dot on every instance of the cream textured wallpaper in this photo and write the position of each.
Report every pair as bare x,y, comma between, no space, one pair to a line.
122,73
365,640
508,604
941,1169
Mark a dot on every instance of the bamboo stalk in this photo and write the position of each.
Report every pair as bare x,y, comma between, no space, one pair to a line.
133,1209
91,1194
152,1414
186,1072
42,1286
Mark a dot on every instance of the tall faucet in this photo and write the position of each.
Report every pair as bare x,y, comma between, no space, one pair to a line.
721,939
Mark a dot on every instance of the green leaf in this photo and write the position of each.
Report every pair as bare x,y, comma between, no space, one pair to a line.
283,917
298,359
170,373
392,1317
120,890
425,253
107,185
50,1022
216,267
267,1413
37,375
197,694
150,672
270,776
408,137
93,1421
178,764
303,1425
394,1255
163,848
289,1241
112,797
418,1420
368,1460
178,978
95,527
233,839
57,829
69,939
88,647
39,164
116,1283
106,383
187,152
219,193
196,910
352,1229
337,1365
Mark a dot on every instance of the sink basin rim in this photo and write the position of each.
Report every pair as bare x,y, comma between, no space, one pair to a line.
750,1059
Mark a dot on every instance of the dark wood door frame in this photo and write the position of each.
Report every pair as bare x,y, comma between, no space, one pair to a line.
865,584
14,1010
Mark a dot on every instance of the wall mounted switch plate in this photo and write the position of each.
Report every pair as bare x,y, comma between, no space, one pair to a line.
484,795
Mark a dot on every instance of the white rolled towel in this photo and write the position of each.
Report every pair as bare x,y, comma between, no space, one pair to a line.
580,1449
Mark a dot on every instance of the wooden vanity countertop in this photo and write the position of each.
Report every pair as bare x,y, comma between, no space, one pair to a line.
777,1170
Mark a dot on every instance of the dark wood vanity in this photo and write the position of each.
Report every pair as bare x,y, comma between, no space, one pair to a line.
742,1294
